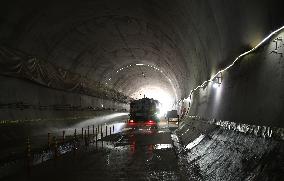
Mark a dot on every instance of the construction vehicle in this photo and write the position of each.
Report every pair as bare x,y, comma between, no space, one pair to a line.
143,113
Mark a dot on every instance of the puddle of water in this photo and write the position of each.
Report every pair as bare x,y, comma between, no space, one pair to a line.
162,146
163,131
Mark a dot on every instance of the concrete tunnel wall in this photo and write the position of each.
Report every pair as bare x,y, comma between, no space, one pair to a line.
188,40
251,91
29,101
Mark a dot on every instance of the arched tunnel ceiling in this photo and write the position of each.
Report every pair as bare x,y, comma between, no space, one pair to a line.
188,40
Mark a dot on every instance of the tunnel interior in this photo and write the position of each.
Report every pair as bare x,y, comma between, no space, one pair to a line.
65,59
129,45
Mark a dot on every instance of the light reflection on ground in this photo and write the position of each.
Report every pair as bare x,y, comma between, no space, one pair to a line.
162,146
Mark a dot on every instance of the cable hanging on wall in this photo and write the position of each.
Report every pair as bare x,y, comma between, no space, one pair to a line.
217,78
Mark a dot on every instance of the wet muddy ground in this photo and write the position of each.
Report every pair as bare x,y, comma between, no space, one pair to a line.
145,154
194,152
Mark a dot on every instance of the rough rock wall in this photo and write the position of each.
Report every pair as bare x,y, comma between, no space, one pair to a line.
14,63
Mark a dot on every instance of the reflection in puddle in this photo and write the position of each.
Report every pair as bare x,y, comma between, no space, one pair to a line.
133,147
162,146
163,131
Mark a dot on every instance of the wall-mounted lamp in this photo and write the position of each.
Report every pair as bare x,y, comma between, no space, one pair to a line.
218,80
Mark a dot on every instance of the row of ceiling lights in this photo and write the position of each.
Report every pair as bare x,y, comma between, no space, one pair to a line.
137,64
143,74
